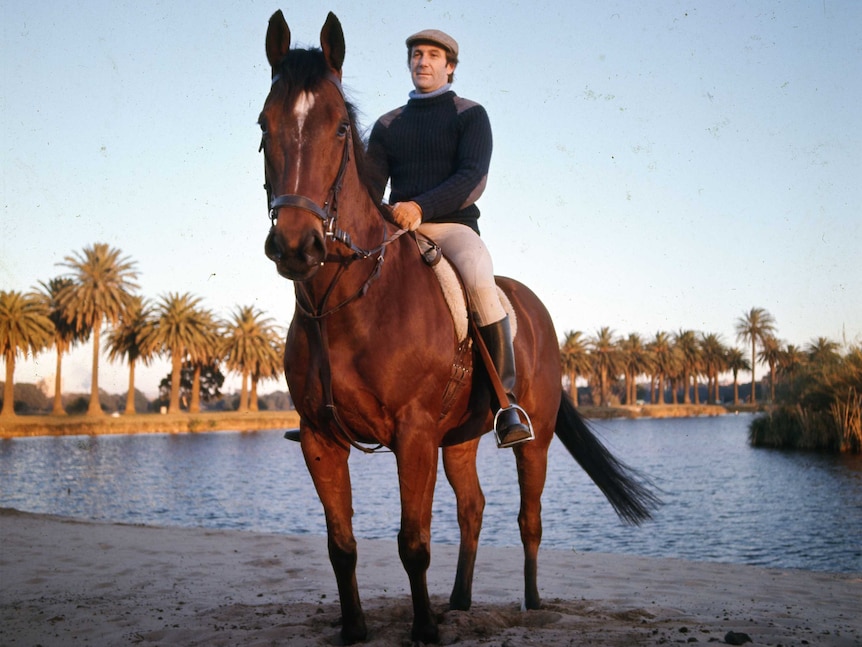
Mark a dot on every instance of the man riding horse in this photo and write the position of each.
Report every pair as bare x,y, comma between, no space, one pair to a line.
351,369
435,152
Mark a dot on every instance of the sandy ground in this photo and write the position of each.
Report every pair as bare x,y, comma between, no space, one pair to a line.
66,582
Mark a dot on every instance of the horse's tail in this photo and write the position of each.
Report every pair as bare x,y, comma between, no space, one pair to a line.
627,491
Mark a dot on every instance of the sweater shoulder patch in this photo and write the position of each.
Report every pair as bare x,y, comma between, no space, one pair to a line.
387,119
462,104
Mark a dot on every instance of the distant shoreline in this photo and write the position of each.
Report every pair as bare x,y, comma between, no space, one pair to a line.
146,423
24,426
666,410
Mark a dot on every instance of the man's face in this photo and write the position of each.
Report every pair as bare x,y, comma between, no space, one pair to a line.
428,67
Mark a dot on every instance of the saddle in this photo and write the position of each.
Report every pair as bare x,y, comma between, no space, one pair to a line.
459,309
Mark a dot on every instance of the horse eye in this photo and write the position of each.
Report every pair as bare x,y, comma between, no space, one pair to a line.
343,129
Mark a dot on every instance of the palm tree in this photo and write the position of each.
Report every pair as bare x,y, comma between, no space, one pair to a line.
714,357
688,351
181,325
823,352
635,360
203,351
66,335
755,326
268,367
770,353
604,359
25,327
575,360
664,362
246,342
736,362
104,281
792,359
133,339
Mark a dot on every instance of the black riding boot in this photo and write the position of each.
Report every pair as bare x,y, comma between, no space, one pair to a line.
508,426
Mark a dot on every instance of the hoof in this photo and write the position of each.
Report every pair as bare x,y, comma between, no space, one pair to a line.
459,603
425,634
353,635
533,604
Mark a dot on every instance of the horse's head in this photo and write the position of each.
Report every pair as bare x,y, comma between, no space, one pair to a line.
307,142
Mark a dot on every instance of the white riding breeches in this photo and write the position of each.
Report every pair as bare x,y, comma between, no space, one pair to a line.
467,252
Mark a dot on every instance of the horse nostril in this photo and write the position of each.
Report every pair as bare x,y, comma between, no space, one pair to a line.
271,248
314,249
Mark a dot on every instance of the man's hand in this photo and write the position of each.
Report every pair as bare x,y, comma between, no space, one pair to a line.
407,215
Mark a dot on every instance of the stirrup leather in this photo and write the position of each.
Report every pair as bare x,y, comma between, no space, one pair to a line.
525,418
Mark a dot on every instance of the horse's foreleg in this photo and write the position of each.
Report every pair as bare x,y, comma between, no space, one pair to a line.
417,474
460,464
327,463
532,460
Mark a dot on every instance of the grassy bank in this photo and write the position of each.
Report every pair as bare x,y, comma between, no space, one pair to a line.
145,423
661,411
838,429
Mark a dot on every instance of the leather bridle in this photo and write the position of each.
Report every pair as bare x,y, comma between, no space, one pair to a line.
328,213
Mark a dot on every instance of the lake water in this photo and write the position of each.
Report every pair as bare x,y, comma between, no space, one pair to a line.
724,501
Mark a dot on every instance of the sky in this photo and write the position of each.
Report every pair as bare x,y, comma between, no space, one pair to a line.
657,166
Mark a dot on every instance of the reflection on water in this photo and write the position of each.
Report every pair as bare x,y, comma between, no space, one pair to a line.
724,501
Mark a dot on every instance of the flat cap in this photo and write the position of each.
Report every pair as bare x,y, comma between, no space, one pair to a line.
436,37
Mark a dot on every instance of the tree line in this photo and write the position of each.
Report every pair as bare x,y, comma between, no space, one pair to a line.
676,364
673,363
98,293
813,393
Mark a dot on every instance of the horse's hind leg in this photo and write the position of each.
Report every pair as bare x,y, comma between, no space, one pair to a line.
532,460
327,463
460,464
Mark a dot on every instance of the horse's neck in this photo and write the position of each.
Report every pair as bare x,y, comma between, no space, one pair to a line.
359,215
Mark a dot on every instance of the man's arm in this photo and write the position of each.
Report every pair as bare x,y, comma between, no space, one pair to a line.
468,181
377,162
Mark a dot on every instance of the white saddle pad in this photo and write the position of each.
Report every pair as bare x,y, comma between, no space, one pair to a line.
457,302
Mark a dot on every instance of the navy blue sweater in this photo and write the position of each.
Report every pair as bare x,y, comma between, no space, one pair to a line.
436,152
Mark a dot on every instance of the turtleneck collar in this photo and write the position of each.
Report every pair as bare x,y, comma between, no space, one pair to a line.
430,95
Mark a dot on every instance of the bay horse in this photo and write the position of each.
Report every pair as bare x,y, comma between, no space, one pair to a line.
370,350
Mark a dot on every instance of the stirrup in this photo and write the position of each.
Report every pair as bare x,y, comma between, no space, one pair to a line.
525,418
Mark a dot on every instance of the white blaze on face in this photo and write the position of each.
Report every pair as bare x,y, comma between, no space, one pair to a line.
304,104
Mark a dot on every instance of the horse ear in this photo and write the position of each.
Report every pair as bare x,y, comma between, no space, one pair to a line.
332,43
277,39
